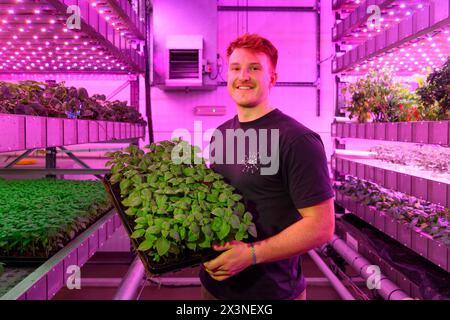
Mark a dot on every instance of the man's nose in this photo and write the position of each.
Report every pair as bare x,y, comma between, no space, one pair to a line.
244,74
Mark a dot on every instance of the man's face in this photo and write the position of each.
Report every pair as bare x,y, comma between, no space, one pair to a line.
250,77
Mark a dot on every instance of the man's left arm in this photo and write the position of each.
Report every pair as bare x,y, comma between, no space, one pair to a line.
314,229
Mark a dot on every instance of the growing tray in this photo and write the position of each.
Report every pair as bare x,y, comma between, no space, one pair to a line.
189,259
37,260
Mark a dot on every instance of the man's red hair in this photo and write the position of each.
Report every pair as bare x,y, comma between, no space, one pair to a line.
255,43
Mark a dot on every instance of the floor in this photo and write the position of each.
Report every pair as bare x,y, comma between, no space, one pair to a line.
102,269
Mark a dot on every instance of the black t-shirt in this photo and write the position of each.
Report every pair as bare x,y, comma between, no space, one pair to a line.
282,175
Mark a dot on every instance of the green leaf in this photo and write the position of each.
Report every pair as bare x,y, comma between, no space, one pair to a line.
138,233
234,221
162,246
224,230
223,197
236,197
189,172
191,245
145,245
247,217
154,229
218,212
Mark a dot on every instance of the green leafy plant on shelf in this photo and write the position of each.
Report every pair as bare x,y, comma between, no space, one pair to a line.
56,100
175,207
435,93
428,217
426,157
38,217
378,98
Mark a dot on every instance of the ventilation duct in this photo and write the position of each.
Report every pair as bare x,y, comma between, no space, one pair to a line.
184,55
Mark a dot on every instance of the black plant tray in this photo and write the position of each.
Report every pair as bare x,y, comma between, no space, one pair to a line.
22,261
190,258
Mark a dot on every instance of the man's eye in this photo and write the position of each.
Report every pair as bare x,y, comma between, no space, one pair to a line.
234,68
255,68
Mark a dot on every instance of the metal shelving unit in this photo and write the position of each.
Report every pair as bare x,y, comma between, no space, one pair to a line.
411,36
423,244
75,40
45,281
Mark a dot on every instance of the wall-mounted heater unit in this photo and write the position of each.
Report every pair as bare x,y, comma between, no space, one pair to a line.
184,60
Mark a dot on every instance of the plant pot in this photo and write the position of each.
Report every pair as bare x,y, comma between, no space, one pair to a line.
12,132
439,132
391,180
404,183
392,131
369,173
55,280
117,128
70,132
55,136
83,131
370,131
352,168
109,130
93,131
420,132
360,209
405,131
189,259
419,243
380,220
339,129
437,253
391,227
369,215
35,132
353,130
437,192
361,132
404,234
380,131
379,176
360,170
346,133
419,188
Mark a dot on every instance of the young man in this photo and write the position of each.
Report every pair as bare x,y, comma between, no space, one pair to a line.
292,206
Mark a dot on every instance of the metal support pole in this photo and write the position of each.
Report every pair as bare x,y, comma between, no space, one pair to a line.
77,160
23,155
132,281
50,160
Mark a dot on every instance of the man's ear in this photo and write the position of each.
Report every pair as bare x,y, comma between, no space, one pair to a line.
273,79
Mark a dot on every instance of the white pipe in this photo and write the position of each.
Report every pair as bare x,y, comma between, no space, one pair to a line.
335,282
387,289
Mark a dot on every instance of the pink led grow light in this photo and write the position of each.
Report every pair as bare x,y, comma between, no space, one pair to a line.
417,56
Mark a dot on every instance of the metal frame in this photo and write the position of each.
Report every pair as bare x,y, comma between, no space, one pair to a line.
49,278
420,187
431,249
30,132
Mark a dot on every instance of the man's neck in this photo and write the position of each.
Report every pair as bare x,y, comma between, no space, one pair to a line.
250,114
